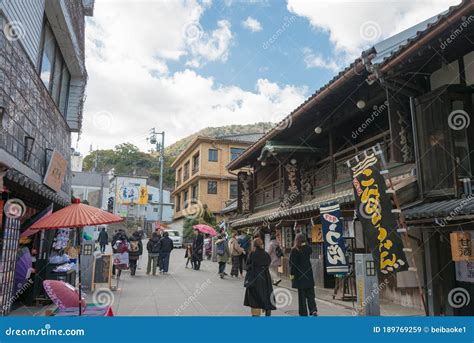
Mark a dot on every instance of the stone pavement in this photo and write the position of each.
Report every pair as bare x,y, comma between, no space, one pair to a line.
197,293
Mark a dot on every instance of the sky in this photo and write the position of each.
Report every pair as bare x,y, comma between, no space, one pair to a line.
180,66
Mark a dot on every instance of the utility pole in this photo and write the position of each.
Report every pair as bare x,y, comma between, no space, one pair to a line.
161,148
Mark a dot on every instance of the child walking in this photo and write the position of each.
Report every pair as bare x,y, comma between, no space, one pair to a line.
189,256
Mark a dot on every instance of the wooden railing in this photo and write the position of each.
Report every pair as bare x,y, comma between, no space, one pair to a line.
268,194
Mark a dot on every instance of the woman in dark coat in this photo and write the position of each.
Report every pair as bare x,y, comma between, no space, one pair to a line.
301,275
103,240
258,282
198,249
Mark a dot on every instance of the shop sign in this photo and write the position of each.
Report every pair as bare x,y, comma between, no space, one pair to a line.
465,271
334,246
57,169
317,233
374,209
244,192
461,246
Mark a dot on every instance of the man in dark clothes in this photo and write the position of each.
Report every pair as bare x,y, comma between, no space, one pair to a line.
135,251
198,248
301,275
103,240
166,245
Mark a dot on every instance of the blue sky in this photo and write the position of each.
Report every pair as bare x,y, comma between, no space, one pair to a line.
183,65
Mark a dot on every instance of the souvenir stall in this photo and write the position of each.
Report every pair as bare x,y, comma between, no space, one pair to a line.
62,266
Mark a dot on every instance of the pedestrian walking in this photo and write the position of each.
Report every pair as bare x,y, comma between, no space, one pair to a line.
223,253
244,242
198,245
166,245
235,252
301,275
258,283
135,251
103,240
208,246
189,256
275,251
153,248
120,245
141,234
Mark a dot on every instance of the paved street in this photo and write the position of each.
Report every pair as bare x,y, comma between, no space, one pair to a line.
195,293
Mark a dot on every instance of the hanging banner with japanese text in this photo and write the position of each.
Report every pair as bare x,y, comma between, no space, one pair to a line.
244,192
374,209
334,246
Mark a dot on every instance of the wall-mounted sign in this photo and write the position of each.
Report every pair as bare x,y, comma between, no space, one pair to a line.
461,246
56,172
374,209
317,233
244,192
132,194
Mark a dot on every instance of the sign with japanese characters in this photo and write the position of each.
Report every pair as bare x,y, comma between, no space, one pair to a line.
57,169
374,209
292,186
461,246
334,246
244,192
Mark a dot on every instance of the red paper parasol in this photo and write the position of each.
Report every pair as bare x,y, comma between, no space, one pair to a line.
206,229
62,294
76,215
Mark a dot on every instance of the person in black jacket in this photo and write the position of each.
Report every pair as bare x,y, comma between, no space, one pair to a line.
301,275
135,251
166,245
103,240
198,248
258,282
153,248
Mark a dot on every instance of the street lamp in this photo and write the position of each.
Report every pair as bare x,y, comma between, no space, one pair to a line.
160,146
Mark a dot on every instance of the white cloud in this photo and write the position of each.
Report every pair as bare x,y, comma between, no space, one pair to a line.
313,60
353,25
131,88
252,24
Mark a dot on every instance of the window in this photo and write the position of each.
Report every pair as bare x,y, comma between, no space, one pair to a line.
186,171
185,199
233,190
150,197
235,152
212,155
178,176
211,187
53,70
195,163
155,209
194,192
178,203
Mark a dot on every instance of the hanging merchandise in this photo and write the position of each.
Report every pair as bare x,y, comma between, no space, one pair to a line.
334,246
375,214
61,239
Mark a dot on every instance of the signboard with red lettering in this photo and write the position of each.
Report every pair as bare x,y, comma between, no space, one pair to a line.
374,209
56,172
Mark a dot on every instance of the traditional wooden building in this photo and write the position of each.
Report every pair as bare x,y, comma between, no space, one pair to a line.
411,96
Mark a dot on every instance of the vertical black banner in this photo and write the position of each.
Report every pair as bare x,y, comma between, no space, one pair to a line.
244,192
374,209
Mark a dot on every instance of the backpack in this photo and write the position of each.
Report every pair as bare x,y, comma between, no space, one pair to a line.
122,246
220,248
155,247
279,251
134,246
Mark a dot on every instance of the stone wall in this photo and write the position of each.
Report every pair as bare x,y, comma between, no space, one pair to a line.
29,109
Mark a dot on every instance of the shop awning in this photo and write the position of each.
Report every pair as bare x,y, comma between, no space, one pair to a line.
31,192
453,209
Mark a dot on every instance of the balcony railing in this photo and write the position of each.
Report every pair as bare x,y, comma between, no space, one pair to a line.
271,193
